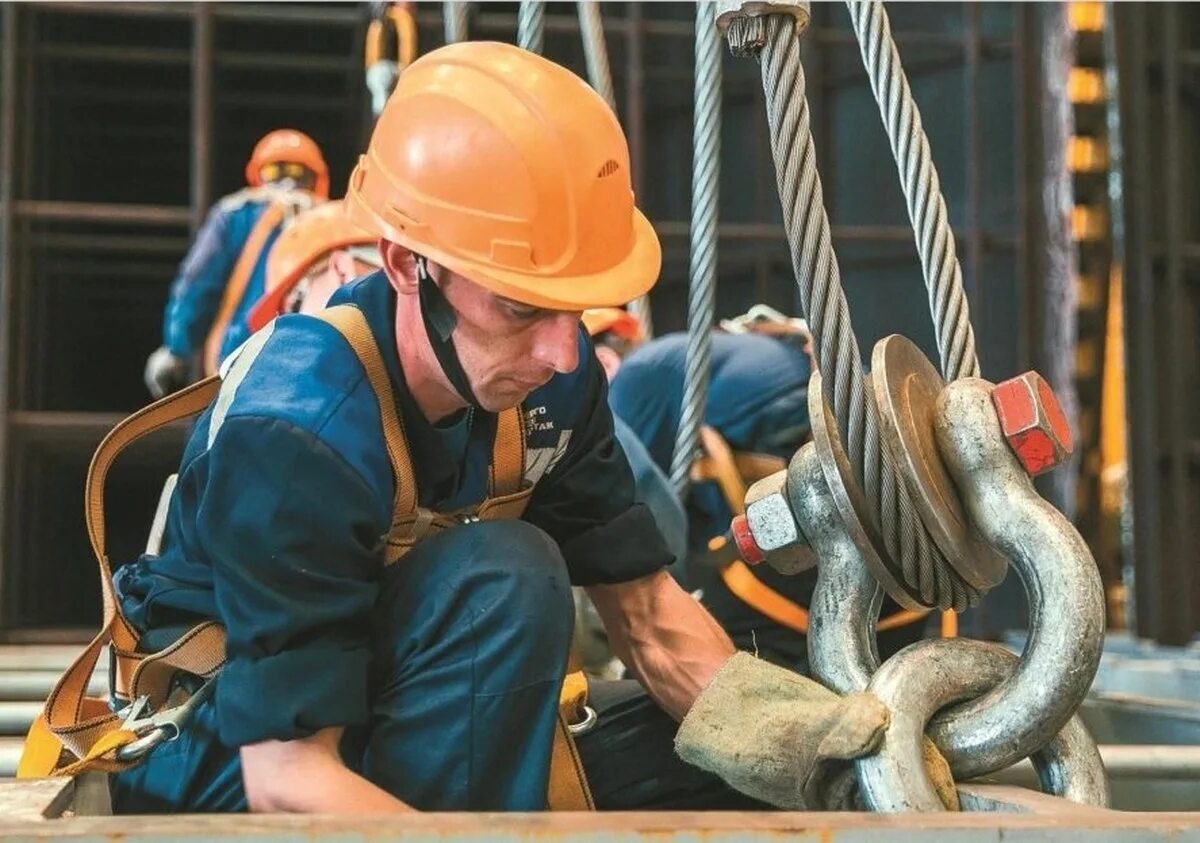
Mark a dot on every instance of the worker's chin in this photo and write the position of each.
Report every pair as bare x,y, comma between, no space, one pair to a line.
502,397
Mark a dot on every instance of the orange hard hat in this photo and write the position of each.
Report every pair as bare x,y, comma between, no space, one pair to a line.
310,236
291,147
510,171
598,320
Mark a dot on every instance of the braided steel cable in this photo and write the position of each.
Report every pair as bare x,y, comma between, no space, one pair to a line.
706,153
595,51
923,567
922,189
531,26
456,14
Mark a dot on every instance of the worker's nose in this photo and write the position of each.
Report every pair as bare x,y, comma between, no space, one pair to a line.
557,342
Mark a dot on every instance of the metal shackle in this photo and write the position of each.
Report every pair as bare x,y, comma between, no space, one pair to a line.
1066,600
925,677
842,652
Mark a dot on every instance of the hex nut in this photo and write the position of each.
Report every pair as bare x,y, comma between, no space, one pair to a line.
1033,422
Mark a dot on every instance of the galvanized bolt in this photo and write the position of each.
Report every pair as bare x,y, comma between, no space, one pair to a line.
768,531
1033,422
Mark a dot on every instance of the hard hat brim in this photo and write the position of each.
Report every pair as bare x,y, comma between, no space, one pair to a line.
633,277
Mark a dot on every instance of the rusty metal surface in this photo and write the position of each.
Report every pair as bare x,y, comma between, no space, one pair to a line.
906,388
1079,826
1061,581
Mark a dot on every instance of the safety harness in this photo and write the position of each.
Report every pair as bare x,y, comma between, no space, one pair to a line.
282,206
77,733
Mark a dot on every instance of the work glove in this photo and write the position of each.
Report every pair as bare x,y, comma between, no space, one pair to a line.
166,372
777,736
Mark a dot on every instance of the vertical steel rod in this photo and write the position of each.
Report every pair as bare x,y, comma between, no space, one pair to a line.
202,95
1177,604
973,46
8,113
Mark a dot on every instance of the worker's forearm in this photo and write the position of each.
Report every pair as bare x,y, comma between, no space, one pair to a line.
668,640
308,777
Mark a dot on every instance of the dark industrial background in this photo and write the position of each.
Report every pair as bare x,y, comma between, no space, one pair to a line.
121,123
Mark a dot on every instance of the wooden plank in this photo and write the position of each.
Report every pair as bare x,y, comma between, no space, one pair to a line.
35,800
693,827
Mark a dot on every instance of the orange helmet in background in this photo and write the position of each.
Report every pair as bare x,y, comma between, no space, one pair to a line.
622,323
310,236
510,171
291,147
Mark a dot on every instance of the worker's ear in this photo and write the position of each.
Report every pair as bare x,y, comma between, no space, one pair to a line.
400,266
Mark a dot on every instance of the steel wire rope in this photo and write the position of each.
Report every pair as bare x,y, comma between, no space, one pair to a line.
702,274
531,25
456,14
925,570
595,51
922,189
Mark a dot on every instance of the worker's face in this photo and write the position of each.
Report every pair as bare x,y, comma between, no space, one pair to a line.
507,349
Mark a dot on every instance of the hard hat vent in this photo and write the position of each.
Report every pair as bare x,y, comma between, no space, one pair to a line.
610,167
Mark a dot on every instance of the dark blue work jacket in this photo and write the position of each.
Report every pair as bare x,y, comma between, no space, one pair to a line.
198,287
285,495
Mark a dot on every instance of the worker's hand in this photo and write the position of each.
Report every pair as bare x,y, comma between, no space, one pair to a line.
166,372
777,736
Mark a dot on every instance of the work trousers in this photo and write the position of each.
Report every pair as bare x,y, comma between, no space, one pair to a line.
470,640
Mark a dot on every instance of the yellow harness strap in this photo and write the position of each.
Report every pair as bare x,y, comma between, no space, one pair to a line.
85,727
235,287
568,790
507,494
71,719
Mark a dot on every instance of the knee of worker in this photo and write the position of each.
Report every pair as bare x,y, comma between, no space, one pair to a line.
522,572
499,588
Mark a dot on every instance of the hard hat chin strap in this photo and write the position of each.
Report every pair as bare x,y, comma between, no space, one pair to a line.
440,321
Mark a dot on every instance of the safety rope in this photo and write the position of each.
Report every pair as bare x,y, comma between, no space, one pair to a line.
595,51
456,14
922,189
923,566
531,25
706,152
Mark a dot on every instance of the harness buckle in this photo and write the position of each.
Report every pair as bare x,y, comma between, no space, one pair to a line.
161,727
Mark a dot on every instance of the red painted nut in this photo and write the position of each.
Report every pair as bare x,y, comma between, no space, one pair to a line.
744,539
1033,422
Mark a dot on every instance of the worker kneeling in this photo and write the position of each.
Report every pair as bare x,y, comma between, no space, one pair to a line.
386,504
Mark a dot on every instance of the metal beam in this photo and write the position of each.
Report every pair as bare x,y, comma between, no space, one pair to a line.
101,212
202,94
1140,293
8,133
1177,606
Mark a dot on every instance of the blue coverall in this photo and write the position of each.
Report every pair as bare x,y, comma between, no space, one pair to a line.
444,666
198,287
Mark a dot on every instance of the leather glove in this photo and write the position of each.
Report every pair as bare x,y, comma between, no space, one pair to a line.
777,736
166,372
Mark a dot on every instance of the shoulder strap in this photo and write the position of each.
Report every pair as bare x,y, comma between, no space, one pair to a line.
71,718
239,279
351,324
